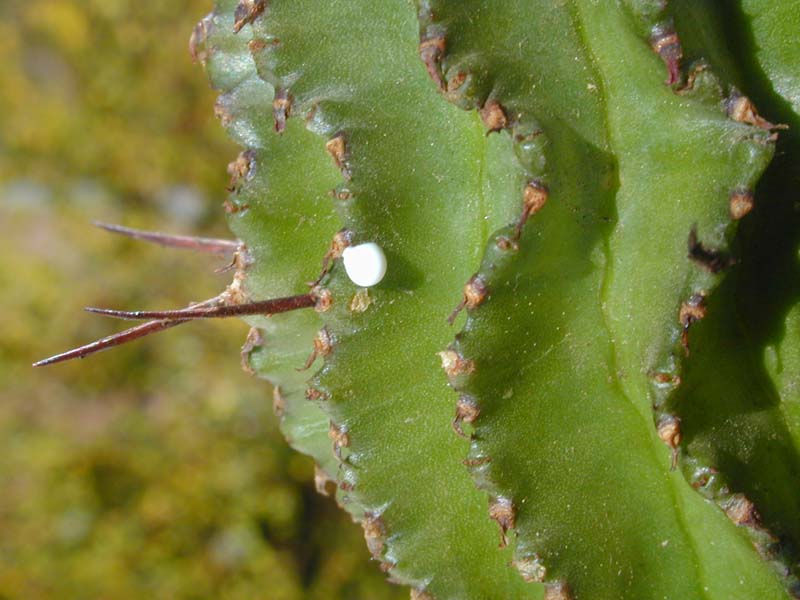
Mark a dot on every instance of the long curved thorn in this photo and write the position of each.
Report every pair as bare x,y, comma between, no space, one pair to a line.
117,339
123,337
264,307
200,244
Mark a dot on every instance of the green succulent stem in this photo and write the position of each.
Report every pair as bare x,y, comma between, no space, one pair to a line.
563,195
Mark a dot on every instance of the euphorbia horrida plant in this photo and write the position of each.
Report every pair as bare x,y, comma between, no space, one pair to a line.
578,377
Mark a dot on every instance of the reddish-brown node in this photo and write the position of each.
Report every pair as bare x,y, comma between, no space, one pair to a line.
246,12
474,294
669,430
742,110
558,590
741,511
241,168
502,512
456,81
530,568
690,312
324,299
741,203
454,364
315,395
467,411
374,534
340,439
667,45
666,378
222,112
281,109
431,51
323,344
493,116
534,197
337,147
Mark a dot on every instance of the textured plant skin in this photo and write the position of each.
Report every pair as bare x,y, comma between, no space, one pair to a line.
625,373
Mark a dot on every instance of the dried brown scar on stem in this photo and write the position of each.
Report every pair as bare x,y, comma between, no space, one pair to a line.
474,294
692,78
341,194
324,485
278,402
493,116
476,462
324,299
669,430
431,51
665,42
454,364
337,148
201,244
323,344
557,591
741,202
241,168
257,45
530,568
691,311
246,12
281,109
533,199
374,534
339,438
360,301
502,512
254,339
342,240
315,395
467,411
230,208
665,378
742,110
703,477
420,595
222,113
741,511
456,81
385,566
197,41
507,244
711,260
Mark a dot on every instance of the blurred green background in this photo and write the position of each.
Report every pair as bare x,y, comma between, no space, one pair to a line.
154,470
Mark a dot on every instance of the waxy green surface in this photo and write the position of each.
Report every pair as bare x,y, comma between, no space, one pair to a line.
578,322
740,400
282,212
424,181
580,316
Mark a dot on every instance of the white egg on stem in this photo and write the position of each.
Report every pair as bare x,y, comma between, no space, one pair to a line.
364,264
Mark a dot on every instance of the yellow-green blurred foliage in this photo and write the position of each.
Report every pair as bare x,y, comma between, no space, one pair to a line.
153,470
